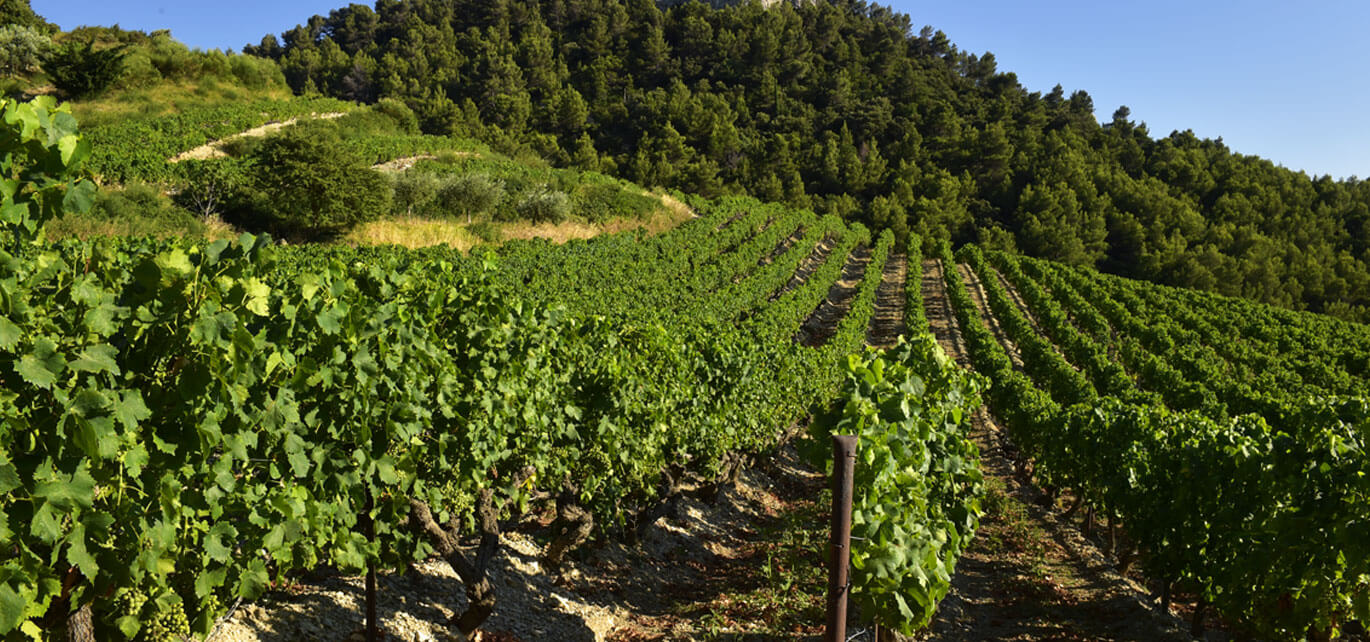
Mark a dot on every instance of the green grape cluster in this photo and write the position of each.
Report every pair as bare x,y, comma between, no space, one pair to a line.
169,625
211,606
129,602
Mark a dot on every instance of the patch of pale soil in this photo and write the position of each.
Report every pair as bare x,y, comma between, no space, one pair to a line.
406,163
214,149
822,323
417,605
707,550
887,322
611,591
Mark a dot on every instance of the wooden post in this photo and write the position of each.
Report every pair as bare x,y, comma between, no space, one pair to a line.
839,548
372,621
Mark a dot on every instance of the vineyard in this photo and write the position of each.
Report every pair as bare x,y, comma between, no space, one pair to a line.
1227,439
186,424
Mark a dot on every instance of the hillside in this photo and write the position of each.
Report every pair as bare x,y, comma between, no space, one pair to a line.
845,107
198,168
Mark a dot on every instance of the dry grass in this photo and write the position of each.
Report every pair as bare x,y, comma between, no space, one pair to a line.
656,223
679,209
413,232
84,228
216,229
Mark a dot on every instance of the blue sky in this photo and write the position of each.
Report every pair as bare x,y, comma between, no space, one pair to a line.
1283,80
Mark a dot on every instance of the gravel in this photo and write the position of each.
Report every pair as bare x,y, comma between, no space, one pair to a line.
415,606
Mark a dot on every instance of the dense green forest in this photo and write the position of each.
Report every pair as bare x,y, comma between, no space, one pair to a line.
845,107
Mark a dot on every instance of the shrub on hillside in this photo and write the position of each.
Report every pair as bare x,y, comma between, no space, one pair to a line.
21,49
470,194
256,73
136,210
241,146
210,186
304,187
544,205
400,113
78,69
599,202
415,192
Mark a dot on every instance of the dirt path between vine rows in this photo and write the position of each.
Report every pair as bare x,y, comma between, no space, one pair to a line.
941,318
808,265
784,246
1029,574
982,302
887,323
1018,300
977,295
822,324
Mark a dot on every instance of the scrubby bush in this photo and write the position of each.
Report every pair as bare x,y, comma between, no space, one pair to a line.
306,188
138,71
21,49
241,146
470,194
210,186
544,205
78,69
400,113
136,210
599,202
415,192
256,73
145,210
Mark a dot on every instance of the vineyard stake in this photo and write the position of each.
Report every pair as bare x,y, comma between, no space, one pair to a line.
372,630
839,547
372,623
